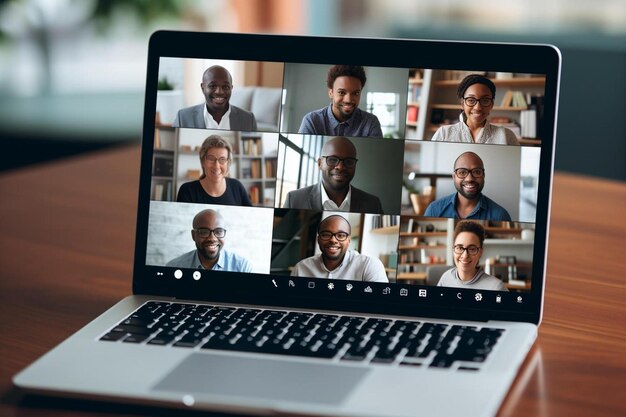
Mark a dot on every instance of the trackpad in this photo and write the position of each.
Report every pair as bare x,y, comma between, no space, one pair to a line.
266,378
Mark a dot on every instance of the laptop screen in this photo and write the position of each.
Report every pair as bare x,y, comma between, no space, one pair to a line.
372,180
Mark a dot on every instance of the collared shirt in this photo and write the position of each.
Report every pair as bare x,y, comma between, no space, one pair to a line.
460,132
227,261
354,266
323,122
329,204
480,281
210,122
486,209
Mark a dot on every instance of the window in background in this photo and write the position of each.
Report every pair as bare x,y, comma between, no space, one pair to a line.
297,154
386,107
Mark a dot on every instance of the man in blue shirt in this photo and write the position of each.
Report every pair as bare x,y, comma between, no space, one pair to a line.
468,202
208,233
342,117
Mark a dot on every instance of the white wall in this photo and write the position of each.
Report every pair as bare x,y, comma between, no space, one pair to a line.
502,170
170,224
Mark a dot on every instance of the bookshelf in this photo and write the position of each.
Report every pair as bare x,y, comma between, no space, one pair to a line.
256,169
163,163
423,242
518,105
418,96
379,238
507,255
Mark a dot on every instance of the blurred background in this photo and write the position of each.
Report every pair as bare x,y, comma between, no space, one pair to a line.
72,72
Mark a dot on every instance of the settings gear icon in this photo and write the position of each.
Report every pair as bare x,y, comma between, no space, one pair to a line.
331,286
478,296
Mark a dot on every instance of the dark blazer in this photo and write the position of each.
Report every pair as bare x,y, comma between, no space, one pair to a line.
193,117
311,198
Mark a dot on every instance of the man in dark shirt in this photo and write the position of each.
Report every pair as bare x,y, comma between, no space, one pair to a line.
342,117
468,202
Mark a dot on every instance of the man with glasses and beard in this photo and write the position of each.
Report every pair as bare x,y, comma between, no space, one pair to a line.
336,260
468,202
334,192
208,233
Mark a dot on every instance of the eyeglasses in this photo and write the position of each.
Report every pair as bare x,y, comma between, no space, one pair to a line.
464,172
204,232
213,159
471,250
471,101
340,236
333,161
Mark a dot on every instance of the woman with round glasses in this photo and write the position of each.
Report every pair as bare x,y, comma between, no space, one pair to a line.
476,94
214,185
469,237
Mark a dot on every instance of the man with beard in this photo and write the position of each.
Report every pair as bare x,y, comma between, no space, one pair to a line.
216,112
468,202
334,192
208,233
343,116
337,261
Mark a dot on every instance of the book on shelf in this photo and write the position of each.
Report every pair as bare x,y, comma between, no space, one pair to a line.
163,167
251,146
158,192
255,168
157,137
528,122
254,194
411,113
270,168
169,191
508,123
513,98
409,226
415,92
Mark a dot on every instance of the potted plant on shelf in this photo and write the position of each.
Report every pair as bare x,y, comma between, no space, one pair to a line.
169,101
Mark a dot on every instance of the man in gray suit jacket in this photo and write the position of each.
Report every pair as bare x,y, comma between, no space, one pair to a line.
334,192
216,112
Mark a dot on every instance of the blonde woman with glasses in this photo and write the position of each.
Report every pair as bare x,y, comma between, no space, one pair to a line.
214,185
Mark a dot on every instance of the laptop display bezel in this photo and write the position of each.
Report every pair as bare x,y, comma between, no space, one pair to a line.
395,53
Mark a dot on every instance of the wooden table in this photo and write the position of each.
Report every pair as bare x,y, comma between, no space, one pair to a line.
66,245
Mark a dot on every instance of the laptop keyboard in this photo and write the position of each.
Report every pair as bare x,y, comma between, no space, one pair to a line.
344,337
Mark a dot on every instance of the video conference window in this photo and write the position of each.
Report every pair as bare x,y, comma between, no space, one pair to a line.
199,236
498,180
270,191
475,107
350,246
219,94
475,254
333,164
341,100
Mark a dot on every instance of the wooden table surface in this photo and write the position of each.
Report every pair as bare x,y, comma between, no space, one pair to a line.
66,248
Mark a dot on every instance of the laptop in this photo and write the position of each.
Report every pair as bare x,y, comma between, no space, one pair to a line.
329,226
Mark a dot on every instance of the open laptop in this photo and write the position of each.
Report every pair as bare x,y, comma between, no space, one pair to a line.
272,296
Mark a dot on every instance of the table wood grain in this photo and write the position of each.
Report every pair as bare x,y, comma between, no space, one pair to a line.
66,248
